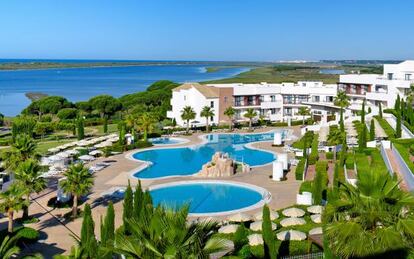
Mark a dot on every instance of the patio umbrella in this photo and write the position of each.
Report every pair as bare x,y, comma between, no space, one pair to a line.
293,212
316,209
87,158
239,217
292,222
315,231
257,226
291,235
232,228
259,215
316,218
73,152
53,150
255,239
95,152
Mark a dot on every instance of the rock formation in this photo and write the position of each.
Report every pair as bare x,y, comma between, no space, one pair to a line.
221,165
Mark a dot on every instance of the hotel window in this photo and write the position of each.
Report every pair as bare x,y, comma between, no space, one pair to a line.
238,100
273,98
316,98
212,104
185,97
249,100
261,98
302,98
329,99
273,111
288,111
407,76
288,99
211,118
390,76
225,99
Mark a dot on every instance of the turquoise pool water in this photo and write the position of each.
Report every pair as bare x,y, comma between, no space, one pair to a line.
189,160
206,197
165,141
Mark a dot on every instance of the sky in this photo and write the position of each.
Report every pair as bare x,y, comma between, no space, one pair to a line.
239,30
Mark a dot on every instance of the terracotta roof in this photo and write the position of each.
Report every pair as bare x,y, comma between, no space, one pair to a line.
207,91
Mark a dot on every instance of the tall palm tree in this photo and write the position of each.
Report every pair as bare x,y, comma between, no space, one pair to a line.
8,247
371,218
12,201
230,112
146,123
250,114
23,147
335,137
28,173
166,234
207,112
342,100
187,114
78,181
303,111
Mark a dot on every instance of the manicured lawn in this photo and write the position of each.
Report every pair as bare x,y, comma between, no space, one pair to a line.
403,147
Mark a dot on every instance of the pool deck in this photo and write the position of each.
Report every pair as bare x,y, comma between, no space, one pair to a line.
55,235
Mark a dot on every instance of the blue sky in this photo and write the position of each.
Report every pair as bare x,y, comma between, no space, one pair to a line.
262,30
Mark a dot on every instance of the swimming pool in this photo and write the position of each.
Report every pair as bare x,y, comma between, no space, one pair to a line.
209,197
167,162
167,141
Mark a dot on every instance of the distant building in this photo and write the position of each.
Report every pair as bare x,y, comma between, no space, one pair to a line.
280,102
375,89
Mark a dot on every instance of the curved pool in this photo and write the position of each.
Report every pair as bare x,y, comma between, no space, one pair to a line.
167,162
209,197
167,141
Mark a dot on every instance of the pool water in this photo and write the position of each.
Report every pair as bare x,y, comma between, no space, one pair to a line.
165,141
189,160
206,197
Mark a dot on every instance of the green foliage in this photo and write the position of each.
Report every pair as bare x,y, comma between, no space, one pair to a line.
398,129
306,140
350,161
397,104
207,112
380,110
230,112
267,233
305,186
372,130
105,125
300,169
314,155
80,128
366,220
240,237
329,155
12,201
1,119
23,125
49,104
250,114
386,127
88,242
128,206
320,181
67,113
105,104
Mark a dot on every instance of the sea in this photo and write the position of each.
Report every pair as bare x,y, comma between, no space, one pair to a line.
80,84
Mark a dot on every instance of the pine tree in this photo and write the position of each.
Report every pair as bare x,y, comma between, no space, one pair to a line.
398,130
108,225
380,110
268,236
122,132
88,242
138,200
128,206
372,130
363,138
341,121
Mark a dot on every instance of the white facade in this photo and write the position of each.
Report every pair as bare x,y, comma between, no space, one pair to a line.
194,98
396,80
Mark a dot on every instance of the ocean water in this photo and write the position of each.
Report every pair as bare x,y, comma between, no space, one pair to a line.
206,197
189,160
79,84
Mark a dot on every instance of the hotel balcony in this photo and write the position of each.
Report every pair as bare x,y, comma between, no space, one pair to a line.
377,96
271,105
247,104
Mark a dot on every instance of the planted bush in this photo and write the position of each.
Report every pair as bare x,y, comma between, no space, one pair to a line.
300,169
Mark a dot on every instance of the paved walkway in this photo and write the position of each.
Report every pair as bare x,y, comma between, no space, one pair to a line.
379,131
396,168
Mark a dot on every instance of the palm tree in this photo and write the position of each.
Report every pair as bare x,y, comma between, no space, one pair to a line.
78,181
166,234
369,219
335,137
22,148
230,112
342,100
250,114
207,112
187,114
12,201
146,123
303,111
28,173
8,247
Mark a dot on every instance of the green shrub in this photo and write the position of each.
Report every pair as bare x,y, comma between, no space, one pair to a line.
329,155
300,168
386,126
306,186
320,181
314,155
29,233
349,162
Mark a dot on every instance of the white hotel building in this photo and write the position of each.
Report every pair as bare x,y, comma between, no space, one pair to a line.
279,102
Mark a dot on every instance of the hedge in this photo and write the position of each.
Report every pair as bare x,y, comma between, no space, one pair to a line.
314,155
306,186
309,135
320,182
329,155
350,161
386,126
300,169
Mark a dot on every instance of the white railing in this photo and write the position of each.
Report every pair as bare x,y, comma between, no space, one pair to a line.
386,159
350,180
405,170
